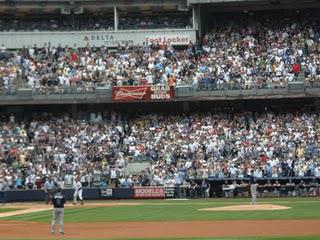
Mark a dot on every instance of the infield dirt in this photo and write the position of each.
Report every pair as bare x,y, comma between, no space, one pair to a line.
258,207
31,230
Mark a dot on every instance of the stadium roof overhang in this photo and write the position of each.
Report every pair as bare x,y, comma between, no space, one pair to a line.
109,3
94,6
91,6
252,5
252,1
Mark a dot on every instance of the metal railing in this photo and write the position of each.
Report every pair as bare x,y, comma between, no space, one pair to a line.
182,92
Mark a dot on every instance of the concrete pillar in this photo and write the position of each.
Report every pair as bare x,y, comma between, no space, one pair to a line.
116,18
195,18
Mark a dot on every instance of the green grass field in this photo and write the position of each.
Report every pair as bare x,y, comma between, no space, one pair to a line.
155,210
175,210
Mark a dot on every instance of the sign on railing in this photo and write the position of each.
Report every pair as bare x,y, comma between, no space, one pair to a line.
142,93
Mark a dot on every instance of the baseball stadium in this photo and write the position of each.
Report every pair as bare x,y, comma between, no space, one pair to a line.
160,119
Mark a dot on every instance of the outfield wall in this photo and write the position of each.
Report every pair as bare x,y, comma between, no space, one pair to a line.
268,187
88,194
39,195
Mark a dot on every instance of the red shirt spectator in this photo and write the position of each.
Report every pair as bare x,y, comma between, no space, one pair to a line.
296,68
74,57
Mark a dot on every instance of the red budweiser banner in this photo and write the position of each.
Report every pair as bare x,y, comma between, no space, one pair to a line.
142,93
149,192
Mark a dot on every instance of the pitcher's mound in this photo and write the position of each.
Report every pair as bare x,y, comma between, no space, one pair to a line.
258,207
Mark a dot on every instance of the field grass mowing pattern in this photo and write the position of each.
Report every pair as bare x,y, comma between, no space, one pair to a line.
182,211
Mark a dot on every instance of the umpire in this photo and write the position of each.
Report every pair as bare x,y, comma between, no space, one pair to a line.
58,202
253,188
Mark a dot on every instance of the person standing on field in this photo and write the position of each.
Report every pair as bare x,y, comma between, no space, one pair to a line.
48,189
77,191
253,188
58,202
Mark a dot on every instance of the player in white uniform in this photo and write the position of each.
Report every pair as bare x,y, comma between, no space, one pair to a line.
77,186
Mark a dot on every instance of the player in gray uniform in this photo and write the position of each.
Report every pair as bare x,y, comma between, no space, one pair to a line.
58,202
253,188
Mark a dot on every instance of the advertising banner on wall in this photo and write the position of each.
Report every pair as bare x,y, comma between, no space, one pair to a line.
16,40
106,193
142,93
149,192
126,93
161,92
170,192
170,39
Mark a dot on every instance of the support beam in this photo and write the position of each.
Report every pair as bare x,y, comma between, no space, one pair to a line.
199,24
116,18
195,18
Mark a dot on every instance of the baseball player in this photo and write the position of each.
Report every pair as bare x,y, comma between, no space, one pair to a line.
77,192
58,202
253,188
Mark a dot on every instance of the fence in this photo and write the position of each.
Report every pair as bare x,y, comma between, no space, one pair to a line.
268,187
181,93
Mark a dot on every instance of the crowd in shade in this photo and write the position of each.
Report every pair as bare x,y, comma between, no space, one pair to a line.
56,23
176,20
101,22
242,53
179,148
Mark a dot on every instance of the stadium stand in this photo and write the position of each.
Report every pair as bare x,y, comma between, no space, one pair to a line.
246,50
245,53
155,22
179,147
35,23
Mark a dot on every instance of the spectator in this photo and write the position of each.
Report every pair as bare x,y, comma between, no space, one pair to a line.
239,53
178,147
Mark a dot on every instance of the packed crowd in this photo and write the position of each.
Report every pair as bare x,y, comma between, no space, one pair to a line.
102,22
239,54
176,20
263,49
56,23
179,148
